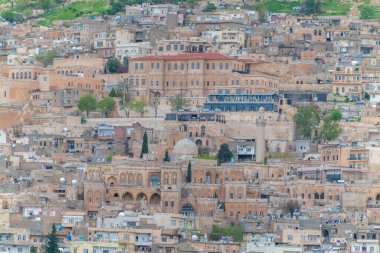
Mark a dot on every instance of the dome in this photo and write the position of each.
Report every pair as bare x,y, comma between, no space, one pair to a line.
185,147
261,109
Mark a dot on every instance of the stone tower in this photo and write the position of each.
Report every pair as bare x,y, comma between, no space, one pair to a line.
260,136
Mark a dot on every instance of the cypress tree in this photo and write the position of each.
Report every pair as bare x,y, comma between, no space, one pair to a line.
113,93
166,158
224,154
189,173
144,149
51,245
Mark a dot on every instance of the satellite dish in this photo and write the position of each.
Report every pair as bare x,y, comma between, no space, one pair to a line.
74,182
121,214
62,180
194,238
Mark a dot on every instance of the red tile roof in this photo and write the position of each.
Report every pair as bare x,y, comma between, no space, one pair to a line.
189,56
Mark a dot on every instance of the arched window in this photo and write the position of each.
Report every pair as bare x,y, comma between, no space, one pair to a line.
208,178
187,210
203,131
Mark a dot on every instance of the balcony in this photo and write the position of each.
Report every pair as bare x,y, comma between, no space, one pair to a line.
143,243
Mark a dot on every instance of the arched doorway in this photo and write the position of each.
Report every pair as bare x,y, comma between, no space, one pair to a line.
127,197
141,196
325,233
188,210
155,199
198,143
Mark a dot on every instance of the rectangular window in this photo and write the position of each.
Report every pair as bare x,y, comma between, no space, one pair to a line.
182,66
136,66
221,66
226,66
152,66
290,237
166,203
141,65
169,66
157,66
143,81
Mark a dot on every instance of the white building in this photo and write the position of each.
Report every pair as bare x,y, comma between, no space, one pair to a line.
126,49
271,247
370,246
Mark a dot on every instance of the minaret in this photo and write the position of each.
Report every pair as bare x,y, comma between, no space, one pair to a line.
260,136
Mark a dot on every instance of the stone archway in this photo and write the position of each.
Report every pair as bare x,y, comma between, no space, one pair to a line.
127,197
141,196
187,210
155,199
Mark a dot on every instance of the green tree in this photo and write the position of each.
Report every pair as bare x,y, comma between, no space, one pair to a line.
113,93
189,173
312,6
144,148
139,106
178,102
224,154
261,12
47,58
87,103
335,115
109,158
330,130
112,65
52,244
106,105
307,119
367,12
33,249
166,157
210,7
12,16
